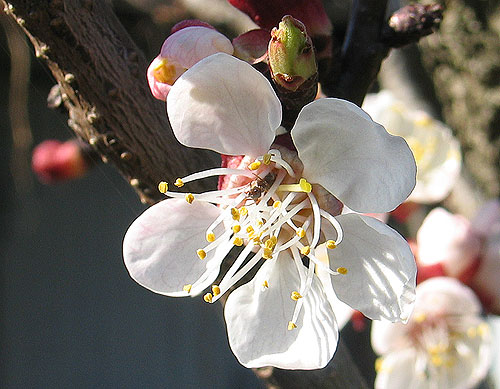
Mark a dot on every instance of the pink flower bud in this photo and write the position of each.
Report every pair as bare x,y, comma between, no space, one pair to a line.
181,50
447,239
54,161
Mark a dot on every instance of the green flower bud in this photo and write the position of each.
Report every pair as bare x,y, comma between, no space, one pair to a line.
291,54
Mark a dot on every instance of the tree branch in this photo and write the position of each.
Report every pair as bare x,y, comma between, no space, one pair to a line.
102,77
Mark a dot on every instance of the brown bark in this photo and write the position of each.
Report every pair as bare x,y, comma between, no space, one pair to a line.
102,77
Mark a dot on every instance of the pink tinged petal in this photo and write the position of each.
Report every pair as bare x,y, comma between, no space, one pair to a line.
188,46
252,45
225,105
447,239
353,157
381,276
158,89
257,320
487,220
160,247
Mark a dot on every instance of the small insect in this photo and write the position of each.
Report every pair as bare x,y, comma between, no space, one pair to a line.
260,186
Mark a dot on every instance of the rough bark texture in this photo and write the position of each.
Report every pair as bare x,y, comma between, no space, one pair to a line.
102,80
464,61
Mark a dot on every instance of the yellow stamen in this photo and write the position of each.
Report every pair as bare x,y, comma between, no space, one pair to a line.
437,360
266,159
201,253
274,239
254,165
419,317
265,284
423,121
330,244
250,229
268,253
215,290
379,364
238,241
270,243
189,198
305,250
163,187
235,213
291,325
472,332
208,297
301,232
302,186
277,204
164,72
342,270
210,237
236,228
178,183
243,211
259,222
187,288
483,329
295,296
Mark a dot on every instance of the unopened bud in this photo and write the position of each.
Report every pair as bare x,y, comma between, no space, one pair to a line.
54,161
291,54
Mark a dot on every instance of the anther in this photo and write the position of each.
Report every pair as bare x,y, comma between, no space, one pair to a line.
163,187
301,232
238,241
210,237
330,244
254,165
277,204
304,185
236,228
266,159
235,213
189,198
305,250
291,325
419,317
342,270
265,284
208,297
250,229
178,183
201,253
215,290
187,288
243,211
295,296
268,253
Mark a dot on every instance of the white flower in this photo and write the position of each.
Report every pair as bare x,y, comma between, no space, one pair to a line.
445,344
435,149
283,317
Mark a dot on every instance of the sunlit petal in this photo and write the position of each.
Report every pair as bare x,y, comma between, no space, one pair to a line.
257,319
352,156
159,248
225,105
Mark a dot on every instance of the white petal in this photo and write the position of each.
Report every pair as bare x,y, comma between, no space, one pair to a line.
398,370
381,269
343,312
190,45
352,156
257,320
446,296
160,246
225,105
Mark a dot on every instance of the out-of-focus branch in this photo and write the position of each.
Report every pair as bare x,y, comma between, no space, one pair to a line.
102,78
368,40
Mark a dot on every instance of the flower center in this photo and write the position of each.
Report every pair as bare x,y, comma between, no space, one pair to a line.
267,211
